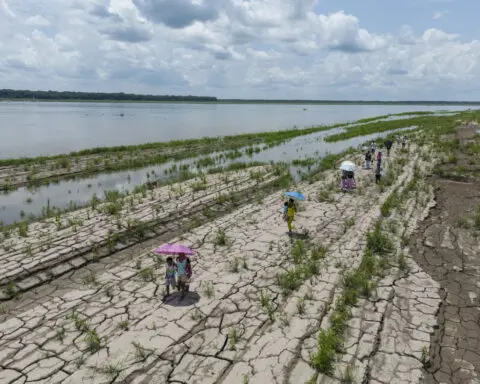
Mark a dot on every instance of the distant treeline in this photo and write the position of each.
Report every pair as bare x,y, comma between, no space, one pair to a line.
11,94
95,96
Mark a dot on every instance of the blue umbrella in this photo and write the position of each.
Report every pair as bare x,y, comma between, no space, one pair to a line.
295,195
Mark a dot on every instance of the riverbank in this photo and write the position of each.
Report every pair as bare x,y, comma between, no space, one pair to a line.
342,300
259,101
40,170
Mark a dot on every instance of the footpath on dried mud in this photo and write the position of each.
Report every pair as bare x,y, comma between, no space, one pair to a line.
260,302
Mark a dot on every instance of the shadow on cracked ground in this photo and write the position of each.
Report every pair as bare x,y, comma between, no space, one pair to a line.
175,299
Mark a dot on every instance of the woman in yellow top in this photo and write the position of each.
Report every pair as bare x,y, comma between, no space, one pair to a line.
291,210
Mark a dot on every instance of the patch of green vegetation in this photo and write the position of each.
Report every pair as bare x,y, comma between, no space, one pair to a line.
234,338
348,376
379,242
267,305
124,325
356,284
111,370
306,264
208,289
221,238
11,290
147,274
90,279
141,353
93,341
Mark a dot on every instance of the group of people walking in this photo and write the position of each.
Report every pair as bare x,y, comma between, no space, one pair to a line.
370,155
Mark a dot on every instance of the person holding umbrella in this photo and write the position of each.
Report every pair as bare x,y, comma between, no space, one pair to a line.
348,169
292,208
170,273
183,265
182,271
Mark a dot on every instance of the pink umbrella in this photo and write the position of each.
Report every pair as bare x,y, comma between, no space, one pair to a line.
173,249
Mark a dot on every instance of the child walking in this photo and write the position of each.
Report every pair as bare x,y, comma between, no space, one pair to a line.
170,275
291,210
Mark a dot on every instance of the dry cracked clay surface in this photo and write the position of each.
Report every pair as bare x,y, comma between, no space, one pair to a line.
449,252
107,322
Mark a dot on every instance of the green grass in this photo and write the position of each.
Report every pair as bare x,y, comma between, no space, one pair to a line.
306,260
117,158
356,284
430,122
221,238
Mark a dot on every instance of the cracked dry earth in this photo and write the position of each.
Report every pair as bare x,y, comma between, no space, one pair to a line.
450,254
107,322
53,247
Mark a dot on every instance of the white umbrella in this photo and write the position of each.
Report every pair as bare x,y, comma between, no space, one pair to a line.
348,166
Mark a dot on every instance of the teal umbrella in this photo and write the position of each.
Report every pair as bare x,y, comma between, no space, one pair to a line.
295,195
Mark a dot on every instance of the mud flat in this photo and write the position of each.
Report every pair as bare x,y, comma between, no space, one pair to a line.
350,297
447,246
258,300
34,253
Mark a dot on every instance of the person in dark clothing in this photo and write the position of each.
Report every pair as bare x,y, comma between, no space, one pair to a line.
378,175
368,160
388,145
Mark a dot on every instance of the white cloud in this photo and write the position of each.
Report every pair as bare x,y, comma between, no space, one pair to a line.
226,48
439,14
37,21
6,9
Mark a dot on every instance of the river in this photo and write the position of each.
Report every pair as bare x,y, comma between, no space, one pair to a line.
47,128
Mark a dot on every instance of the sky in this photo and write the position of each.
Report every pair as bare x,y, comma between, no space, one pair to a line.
271,49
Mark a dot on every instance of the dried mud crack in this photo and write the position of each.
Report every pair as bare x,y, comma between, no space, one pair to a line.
258,300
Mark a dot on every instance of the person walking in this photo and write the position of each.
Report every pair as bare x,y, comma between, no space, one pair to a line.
388,145
368,160
378,175
291,210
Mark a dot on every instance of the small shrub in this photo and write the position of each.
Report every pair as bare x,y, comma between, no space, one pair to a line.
208,289
318,253
93,341
90,279
322,360
298,252
378,242
141,353
350,222
221,238
147,274
234,338
290,281
112,370
348,376
11,290
301,306
123,325
23,229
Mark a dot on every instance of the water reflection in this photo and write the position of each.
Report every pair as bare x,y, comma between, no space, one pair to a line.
23,202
